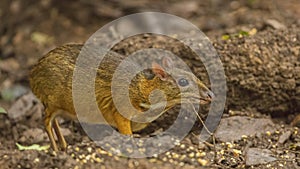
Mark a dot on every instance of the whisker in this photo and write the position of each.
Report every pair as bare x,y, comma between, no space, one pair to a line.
202,122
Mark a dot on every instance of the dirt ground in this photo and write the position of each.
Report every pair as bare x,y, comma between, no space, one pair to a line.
31,28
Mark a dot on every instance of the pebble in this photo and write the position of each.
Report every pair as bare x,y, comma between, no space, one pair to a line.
164,159
177,142
192,154
88,157
233,128
229,145
202,162
153,160
175,156
89,149
182,146
200,154
129,150
191,148
100,151
284,137
36,160
53,153
244,136
236,152
98,160
181,164
182,157
255,156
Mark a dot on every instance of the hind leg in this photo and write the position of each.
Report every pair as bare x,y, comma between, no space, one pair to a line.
50,115
60,137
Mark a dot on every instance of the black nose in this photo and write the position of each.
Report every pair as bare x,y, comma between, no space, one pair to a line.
210,95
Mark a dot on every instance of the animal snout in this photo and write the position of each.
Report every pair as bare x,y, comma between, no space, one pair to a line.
210,95
207,96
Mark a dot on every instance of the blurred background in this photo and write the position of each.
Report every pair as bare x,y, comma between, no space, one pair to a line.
30,28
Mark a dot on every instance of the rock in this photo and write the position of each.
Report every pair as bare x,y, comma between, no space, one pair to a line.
9,65
13,92
22,107
233,128
275,24
255,156
284,136
34,135
37,135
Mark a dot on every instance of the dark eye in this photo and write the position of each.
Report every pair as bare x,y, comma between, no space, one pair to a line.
148,74
183,82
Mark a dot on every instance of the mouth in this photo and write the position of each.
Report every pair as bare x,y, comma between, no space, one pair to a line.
207,97
205,100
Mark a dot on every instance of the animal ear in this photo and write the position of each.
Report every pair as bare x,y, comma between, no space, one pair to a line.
167,62
159,71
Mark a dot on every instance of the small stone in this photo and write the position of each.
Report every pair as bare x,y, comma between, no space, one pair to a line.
129,150
191,148
182,146
255,156
244,137
236,153
177,142
36,160
200,154
153,160
164,159
202,162
100,151
284,137
229,145
54,153
142,150
88,157
233,128
192,154
80,156
175,156
109,154
89,149
98,160
116,158
182,157
275,24
201,146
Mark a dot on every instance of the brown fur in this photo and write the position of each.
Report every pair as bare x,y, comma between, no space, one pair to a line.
51,82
